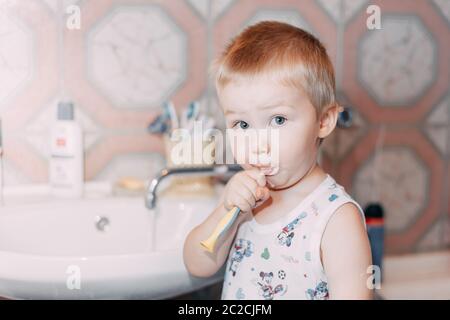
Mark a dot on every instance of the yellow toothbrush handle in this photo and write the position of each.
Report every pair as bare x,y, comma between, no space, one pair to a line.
224,223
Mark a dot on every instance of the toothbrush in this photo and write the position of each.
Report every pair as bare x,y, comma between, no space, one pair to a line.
190,111
169,108
223,225
194,110
187,115
158,125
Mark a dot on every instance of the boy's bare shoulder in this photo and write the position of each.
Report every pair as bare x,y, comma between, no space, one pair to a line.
347,213
346,225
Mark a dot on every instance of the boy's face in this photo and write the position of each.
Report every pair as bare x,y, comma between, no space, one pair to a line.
263,103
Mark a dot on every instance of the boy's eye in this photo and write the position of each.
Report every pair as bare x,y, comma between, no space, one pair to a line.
242,124
278,120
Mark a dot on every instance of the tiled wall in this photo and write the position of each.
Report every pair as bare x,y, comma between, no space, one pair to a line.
130,55
397,81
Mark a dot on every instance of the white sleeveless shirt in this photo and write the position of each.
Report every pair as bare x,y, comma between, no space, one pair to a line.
281,260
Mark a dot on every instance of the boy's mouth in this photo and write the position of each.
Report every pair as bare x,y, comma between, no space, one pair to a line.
267,170
265,165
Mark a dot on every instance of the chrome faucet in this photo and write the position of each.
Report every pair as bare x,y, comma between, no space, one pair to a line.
213,171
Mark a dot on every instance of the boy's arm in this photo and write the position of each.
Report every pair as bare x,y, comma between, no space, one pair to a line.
246,190
197,260
346,254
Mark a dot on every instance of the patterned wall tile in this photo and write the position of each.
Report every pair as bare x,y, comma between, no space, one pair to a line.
342,10
211,9
25,162
397,63
16,57
95,101
209,104
381,66
33,77
38,130
137,56
409,181
436,125
13,176
116,145
136,165
126,124
443,8
29,55
397,178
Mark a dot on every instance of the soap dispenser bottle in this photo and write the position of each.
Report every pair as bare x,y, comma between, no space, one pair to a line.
66,154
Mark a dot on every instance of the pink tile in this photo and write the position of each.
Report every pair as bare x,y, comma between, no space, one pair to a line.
404,241
97,158
359,96
43,85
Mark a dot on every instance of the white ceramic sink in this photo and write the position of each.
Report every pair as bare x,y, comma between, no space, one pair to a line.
53,249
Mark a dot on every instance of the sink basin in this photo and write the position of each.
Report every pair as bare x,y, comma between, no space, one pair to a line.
106,247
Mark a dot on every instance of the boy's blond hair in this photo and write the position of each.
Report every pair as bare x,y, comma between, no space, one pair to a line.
279,50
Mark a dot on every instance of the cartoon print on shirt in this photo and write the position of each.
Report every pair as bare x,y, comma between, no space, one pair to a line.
319,293
240,295
286,235
265,254
333,197
266,290
242,248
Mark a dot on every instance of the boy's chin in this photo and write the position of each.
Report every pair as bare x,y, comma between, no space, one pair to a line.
275,182
281,180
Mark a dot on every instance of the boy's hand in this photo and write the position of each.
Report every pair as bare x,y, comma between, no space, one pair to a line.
246,190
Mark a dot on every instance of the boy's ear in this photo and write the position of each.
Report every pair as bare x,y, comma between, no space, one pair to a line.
328,120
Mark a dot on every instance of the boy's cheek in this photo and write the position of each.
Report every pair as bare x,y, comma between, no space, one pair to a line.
293,146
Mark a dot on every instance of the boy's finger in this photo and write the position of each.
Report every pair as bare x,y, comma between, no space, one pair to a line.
244,206
249,197
228,205
249,184
265,193
258,176
262,193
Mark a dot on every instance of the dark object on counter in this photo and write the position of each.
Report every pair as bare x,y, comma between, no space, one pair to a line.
374,214
158,125
345,118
